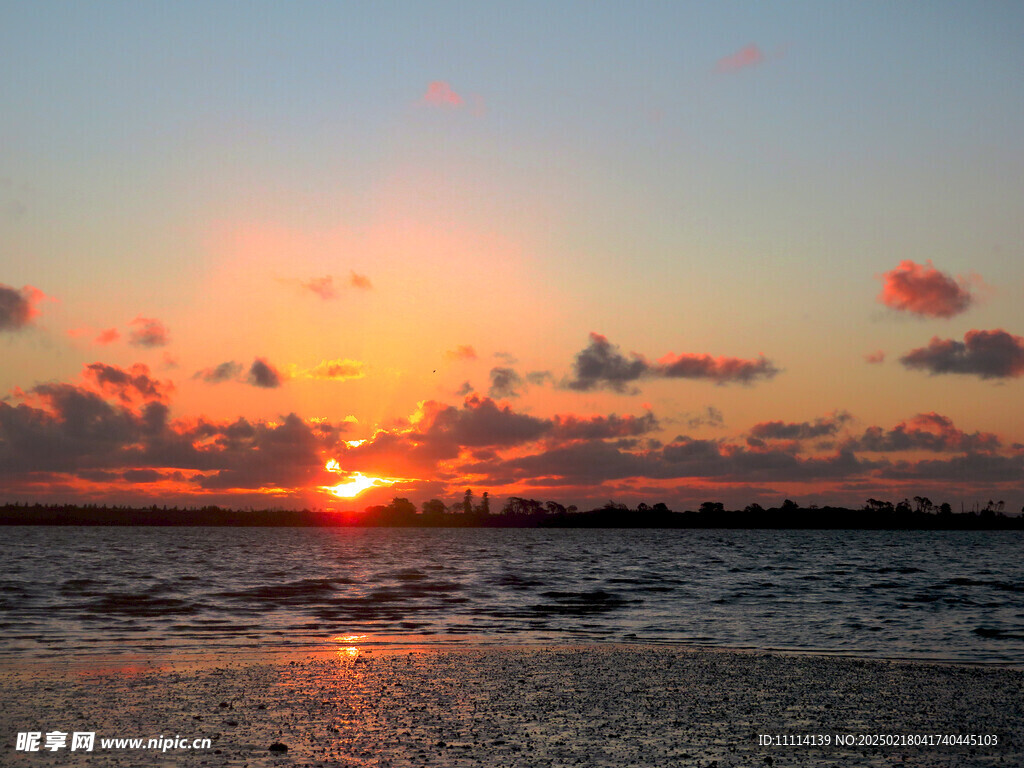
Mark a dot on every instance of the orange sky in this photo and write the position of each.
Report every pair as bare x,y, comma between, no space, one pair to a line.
567,260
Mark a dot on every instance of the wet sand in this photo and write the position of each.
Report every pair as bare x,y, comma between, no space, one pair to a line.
587,706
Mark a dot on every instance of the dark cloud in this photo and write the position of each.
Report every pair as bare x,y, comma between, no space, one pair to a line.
505,382
602,365
142,475
596,462
148,332
569,427
224,372
709,417
966,468
923,290
539,378
261,455
129,385
103,437
464,390
805,430
441,432
263,374
928,432
987,354
17,308
721,370
479,422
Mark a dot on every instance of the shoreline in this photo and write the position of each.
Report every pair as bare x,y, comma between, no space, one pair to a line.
240,654
524,705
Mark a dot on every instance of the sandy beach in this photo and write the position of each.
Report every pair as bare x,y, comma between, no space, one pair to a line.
519,706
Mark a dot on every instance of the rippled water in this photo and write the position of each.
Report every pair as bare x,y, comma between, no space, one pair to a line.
940,595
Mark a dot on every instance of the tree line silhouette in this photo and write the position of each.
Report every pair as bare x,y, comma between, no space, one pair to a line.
520,512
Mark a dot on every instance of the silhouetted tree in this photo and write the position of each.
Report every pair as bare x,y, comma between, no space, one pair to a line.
434,507
467,502
875,505
485,504
712,508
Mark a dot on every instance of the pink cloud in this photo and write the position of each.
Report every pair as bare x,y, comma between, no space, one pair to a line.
108,336
923,290
327,288
440,94
875,357
748,56
322,286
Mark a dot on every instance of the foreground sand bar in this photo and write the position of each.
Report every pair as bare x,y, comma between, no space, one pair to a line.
590,706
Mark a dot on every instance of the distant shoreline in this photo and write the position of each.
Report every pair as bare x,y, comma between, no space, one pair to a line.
793,518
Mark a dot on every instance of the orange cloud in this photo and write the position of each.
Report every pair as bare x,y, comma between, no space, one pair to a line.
334,370
875,357
359,281
923,290
108,336
461,352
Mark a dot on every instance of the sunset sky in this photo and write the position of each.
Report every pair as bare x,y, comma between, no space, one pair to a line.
574,251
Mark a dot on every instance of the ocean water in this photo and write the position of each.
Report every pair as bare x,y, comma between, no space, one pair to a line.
68,592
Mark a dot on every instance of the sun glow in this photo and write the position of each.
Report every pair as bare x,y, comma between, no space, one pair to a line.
356,483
